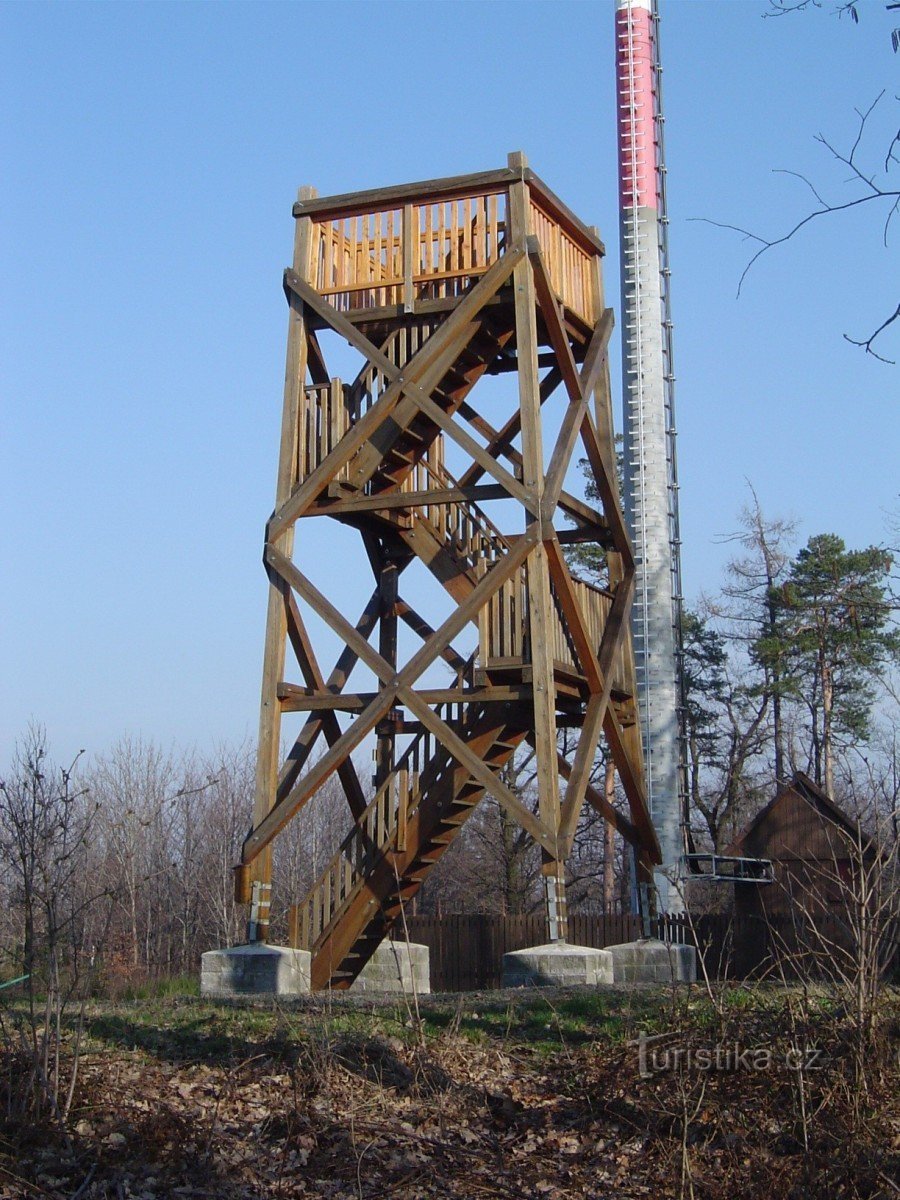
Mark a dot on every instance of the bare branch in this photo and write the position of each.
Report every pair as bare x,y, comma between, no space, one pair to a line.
867,343
876,192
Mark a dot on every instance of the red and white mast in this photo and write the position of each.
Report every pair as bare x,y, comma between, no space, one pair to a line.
650,474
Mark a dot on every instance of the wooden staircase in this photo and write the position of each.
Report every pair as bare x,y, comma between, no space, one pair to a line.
412,820
387,459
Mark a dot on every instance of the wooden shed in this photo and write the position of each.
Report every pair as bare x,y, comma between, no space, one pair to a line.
811,844
814,848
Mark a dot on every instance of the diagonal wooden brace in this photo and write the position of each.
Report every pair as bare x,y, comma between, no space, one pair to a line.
444,343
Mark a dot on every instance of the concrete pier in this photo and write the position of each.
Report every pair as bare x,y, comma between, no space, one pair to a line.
652,961
396,967
254,970
557,965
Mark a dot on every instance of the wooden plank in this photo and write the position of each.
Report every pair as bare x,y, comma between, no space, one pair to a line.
575,616
299,699
410,240
449,187
412,499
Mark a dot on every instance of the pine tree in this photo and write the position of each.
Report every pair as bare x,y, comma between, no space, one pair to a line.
833,635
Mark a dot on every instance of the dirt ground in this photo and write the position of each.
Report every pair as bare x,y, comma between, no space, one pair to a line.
517,1094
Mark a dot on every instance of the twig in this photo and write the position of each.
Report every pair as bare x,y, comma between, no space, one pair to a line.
85,1184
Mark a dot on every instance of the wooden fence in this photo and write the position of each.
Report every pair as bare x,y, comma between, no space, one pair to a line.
467,949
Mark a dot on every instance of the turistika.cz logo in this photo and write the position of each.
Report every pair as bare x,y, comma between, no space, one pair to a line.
661,1053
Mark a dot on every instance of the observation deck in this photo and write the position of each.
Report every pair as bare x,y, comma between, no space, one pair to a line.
417,248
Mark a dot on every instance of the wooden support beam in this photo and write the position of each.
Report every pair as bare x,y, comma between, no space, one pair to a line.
406,500
387,648
633,783
317,369
309,665
468,444
304,699
537,573
600,684
500,440
419,625
295,578
550,311
276,620
575,618
579,779
608,490
481,772
578,418
306,740
279,815
599,802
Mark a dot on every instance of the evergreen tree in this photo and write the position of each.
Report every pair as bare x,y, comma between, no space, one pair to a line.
832,637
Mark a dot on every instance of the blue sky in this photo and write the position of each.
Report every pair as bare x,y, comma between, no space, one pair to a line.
151,155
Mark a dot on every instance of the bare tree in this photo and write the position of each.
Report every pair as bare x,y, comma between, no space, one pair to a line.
46,820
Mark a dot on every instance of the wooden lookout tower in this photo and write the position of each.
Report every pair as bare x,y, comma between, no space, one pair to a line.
448,291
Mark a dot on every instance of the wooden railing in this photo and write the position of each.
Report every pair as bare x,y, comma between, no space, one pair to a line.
568,263
405,248
396,256
503,625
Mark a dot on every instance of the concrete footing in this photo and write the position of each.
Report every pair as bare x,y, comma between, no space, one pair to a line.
557,965
254,970
651,961
396,967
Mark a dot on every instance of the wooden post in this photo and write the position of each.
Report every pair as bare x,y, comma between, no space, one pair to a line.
410,237
294,927
276,618
538,573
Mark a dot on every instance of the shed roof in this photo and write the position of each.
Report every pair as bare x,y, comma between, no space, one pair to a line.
799,785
